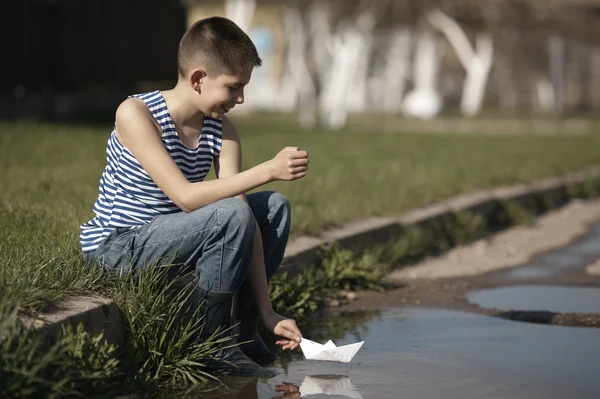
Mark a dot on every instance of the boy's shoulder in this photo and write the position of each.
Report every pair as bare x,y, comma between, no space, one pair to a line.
133,118
132,108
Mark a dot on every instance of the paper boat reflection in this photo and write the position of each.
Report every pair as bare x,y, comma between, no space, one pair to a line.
339,385
329,352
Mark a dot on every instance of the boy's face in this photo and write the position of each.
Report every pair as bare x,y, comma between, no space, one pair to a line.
220,93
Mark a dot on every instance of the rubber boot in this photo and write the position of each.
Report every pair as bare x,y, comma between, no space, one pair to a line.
219,310
247,316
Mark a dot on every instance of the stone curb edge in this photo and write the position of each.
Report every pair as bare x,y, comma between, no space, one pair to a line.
377,230
102,315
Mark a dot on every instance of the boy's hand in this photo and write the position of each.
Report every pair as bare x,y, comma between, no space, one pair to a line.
289,164
284,327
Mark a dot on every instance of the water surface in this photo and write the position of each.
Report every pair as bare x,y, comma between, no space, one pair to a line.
426,353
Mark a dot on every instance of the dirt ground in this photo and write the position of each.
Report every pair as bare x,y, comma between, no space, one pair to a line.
441,282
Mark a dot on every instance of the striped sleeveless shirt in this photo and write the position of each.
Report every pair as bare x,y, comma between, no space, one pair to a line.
127,195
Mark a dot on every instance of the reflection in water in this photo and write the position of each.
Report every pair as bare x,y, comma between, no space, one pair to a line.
247,388
339,385
229,388
288,391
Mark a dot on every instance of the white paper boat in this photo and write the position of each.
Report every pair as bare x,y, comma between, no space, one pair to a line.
329,352
329,385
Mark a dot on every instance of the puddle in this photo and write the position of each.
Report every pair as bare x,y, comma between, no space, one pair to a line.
572,257
428,353
539,298
425,353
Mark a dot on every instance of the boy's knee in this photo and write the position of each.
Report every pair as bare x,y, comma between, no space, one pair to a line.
235,212
279,204
280,212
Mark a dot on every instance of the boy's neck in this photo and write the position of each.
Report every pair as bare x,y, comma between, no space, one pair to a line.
182,110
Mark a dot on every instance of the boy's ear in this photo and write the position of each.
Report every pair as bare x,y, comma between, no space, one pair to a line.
196,78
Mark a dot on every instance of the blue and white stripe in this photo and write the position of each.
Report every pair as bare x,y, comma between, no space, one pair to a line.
127,196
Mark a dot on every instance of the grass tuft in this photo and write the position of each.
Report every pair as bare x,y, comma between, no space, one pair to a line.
31,365
164,351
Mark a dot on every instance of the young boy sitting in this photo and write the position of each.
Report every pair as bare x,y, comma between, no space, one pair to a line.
154,207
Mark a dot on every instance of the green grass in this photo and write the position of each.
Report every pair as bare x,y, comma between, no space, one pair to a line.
354,174
49,179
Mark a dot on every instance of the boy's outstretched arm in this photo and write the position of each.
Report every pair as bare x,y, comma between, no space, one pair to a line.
228,164
278,324
137,130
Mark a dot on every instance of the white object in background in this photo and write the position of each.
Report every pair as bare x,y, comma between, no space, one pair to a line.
241,12
329,352
329,385
424,100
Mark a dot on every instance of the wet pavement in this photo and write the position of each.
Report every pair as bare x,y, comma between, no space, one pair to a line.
427,353
571,258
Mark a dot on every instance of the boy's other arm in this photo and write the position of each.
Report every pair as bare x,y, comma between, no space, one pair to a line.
137,131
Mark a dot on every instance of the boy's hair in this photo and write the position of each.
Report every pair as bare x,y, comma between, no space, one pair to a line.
219,45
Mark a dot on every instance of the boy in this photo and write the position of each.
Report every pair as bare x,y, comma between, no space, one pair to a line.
154,205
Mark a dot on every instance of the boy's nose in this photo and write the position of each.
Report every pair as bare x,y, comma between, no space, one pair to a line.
240,99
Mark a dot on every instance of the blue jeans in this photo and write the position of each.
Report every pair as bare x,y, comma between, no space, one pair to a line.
217,240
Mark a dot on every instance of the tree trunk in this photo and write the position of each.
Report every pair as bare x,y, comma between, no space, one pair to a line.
349,45
477,63
556,49
298,70
397,70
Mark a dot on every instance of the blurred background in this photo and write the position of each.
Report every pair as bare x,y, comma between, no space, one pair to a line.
326,62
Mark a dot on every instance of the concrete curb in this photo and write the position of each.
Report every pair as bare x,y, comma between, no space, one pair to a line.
102,315
97,315
487,203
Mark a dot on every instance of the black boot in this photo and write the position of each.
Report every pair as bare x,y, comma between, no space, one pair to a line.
247,316
219,310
